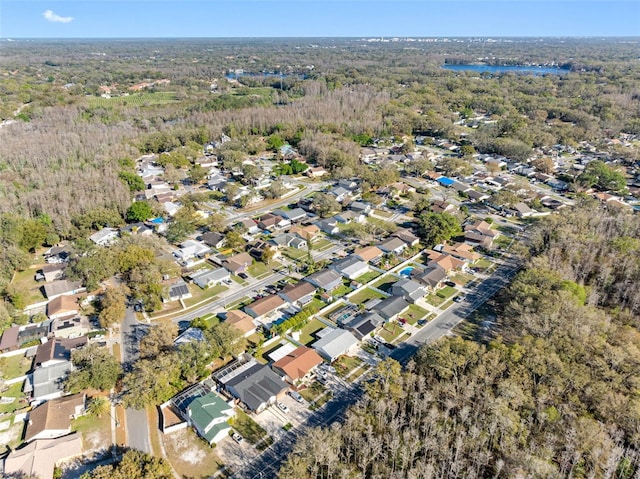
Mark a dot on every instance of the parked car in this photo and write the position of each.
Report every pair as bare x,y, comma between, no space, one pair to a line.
243,275
450,283
296,396
282,407
458,299
402,321
237,437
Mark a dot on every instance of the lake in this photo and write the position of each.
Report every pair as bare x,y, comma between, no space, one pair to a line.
507,68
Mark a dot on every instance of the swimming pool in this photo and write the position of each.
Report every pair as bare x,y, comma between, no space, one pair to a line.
406,271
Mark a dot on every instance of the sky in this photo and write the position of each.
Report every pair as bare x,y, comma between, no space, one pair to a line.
313,18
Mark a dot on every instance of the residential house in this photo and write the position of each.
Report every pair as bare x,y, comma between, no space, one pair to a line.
370,254
105,236
170,207
40,456
308,233
70,327
328,226
350,184
299,294
339,193
408,237
250,225
48,382
62,287
446,263
56,351
480,232
361,207
238,263
292,215
393,245
432,277
252,383
57,254
461,251
408,289
192,249
289,240
316,172
522,210
190,335
179,291
137,229
335,343
391,307
364,324
327,279
53,418
477,196
439,206
264,307
350,267
272,222
298,365
62,307
210,277
367,155
52,272
348,216
209,416
213,239
9,341
217,181
401,188
242,321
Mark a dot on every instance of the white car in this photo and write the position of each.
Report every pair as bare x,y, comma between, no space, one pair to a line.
282,407
237,437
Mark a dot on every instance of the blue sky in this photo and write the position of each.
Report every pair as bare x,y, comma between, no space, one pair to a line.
309,18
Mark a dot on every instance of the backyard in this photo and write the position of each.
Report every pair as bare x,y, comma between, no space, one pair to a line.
309,329
25,283
341,290
189,455
365,278
14,366
365,295
385,282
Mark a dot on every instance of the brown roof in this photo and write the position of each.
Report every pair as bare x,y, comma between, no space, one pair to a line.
266,304
305,232
9,338
482,227
55,414
239,260
62,304
298,362
447,262
368,253
461,250
38,458
299,290
58,349
240,320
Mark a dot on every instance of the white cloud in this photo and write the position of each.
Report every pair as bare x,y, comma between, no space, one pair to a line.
54,18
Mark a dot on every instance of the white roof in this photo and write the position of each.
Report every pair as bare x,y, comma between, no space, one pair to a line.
335,343
282,352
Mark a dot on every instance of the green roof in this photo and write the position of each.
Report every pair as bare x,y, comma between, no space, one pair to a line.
206,409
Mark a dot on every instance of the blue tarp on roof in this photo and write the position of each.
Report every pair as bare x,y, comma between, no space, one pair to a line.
444,181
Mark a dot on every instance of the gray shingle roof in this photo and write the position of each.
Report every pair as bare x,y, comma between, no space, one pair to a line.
391,306
257,385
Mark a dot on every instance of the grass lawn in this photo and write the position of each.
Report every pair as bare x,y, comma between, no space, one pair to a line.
385,282
316,303
25,283
502,241
14,391
345,364
190,455
14,366
365,295
259,269
247,427
483,264
384,214
200,294
365,278
414,314
96,431
446,292
390,331
309,329
462,278
295,254
321,244
336,306
434,300
152,417
314,391
239,280
341,290
446,305
241,303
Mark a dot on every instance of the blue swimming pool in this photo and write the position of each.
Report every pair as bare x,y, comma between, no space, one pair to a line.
406,271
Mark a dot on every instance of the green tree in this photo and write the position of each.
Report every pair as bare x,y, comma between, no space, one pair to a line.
178,230
436,228
598,174
133,181
275,142
234,239
133,465
99,406
112,306
197,174
267,255
95,368
325,205
139,211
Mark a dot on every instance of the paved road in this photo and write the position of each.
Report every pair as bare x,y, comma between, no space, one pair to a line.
136,421
248,290
267,464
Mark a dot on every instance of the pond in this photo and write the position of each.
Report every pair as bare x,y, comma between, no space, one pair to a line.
533,70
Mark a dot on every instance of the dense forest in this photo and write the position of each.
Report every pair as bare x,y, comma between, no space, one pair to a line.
552,393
